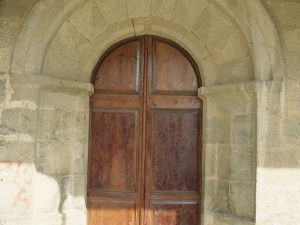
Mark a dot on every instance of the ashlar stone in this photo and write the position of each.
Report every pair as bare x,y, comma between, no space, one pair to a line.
211,24
70,41
223,163
19,121
138,8
237,70
112,11
60,65
88,20
5,60
243,129
63,158
163,8
52,100
186,13
242,198
49,23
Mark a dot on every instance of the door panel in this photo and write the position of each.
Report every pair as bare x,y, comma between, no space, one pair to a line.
115,143
176,213
120,71
171,70
175,150
145,145
105,212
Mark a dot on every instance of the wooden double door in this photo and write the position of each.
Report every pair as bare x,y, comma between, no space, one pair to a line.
145,136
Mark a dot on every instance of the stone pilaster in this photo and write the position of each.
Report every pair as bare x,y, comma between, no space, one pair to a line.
235,116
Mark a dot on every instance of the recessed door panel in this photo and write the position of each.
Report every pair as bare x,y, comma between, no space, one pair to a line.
115,142
172,71
112,212
120,70
177,213
175,150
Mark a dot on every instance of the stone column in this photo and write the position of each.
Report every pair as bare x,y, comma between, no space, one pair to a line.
45,127
234,115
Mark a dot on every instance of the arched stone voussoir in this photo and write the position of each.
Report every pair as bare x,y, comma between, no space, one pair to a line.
259,29
42,23
150,26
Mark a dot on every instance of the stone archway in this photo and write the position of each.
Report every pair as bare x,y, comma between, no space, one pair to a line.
240,66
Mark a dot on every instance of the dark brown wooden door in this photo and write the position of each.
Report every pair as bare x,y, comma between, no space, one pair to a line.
145,140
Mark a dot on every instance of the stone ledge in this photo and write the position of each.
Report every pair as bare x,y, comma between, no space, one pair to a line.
245,88
218,220
53,83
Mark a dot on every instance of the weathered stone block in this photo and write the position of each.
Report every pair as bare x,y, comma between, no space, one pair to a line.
17,152
5,60
113,11
2,90
242,197
68,125
50,124
60,65
223,129
19,53
209,198
35,55
70,41
82,104
291,39
292,96
210,128
82,127
268,132
210,163
19,121
292,131
219,220
7,33
186,13
292,64
243,129
23,92
223,163
222,201
241,167
52,100
138,8
162,9
236,106
45,157
63,158
237,70
80,158
85,68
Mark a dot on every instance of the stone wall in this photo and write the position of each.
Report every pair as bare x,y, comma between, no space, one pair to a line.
248,53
